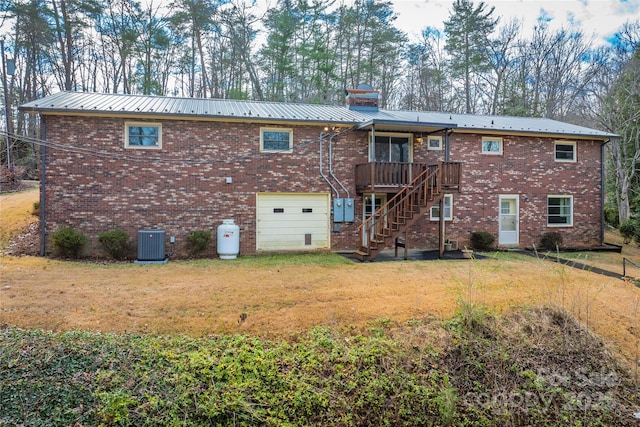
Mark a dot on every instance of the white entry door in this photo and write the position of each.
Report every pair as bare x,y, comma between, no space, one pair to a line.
370,205
508,234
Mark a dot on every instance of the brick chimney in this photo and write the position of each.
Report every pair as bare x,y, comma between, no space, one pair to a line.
364,98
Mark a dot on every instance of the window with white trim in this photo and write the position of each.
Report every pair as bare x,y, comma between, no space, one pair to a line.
560,211
390,147
143,135
276,140
434,143
434,212
565,151
491,145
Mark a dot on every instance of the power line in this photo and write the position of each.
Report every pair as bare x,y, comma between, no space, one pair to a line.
77,149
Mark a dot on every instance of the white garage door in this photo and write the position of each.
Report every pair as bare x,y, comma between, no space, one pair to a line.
292,221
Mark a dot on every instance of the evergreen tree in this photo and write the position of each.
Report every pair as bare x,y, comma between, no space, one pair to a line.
154,54
279,53
468,29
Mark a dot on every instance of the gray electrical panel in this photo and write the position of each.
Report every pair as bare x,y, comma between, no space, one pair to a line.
349,210
338,210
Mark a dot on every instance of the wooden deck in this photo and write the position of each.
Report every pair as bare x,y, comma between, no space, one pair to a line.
410,202
392,177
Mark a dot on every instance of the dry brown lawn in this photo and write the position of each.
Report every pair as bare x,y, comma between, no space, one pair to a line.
279,298
15,214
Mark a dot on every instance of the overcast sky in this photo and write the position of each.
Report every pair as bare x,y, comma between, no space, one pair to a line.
599,17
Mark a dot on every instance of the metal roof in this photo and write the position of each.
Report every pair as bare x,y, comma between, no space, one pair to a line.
416,120
145,105
222,109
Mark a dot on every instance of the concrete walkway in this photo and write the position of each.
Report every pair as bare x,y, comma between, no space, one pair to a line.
414,255
431,255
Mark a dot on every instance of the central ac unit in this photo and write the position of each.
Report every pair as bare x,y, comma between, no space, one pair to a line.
151,246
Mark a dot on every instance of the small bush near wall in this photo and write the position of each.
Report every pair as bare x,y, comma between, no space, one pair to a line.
611,216
551,240
35,211
482,240
630,230
115,243
198,241
68,242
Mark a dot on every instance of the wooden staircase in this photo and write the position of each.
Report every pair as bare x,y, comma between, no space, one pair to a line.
393,219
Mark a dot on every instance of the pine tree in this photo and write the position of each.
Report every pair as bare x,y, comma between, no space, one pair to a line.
468,29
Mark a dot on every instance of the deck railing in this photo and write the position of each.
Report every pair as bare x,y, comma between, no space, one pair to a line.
388,176
389,218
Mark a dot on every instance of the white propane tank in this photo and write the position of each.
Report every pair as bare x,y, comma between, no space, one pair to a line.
228,239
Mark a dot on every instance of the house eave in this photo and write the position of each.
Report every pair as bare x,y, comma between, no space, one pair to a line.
541,133
404,126
338,121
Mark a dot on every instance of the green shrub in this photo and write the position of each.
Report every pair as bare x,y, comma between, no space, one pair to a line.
115,243
551,240
611,216
630,230
35,211
198,241
68,242
482,240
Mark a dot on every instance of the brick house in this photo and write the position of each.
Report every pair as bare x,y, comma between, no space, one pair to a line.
298,177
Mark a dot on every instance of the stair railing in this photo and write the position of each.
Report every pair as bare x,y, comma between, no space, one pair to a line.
395,212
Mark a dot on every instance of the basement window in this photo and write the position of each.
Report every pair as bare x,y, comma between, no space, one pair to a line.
276,140
143,135
434,212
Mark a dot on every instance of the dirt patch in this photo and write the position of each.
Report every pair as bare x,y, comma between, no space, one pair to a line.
26,243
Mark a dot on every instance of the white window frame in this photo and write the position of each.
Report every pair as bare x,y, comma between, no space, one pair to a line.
276,129
561,196
575,151
492,139
434,138
434,215
128,125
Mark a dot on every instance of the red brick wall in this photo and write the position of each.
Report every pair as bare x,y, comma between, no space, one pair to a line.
526,168
182,188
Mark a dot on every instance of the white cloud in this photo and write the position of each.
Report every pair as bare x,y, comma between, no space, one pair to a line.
601,18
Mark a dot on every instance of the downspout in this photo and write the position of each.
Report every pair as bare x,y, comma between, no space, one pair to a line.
602,185
322,173
331,166
43,184
373,187
447,145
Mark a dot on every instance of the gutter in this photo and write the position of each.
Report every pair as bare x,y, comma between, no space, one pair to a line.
408,124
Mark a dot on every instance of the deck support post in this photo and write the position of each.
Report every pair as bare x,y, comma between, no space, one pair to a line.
441,228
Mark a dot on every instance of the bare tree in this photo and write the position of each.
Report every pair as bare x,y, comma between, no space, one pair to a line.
621,114
70,18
